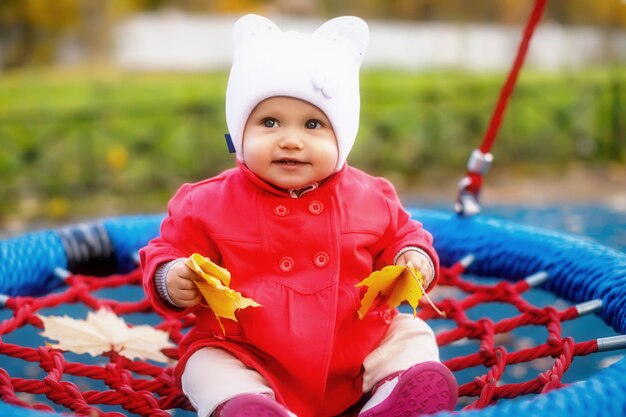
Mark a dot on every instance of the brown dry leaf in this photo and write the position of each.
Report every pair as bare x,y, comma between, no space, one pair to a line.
103,331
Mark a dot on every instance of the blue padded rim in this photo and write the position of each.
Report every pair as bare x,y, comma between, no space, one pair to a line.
579,270
27,262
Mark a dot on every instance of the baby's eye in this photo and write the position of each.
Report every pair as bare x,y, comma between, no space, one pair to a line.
313,124
269,122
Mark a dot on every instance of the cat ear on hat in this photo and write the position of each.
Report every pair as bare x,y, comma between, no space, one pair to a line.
350,29
252,25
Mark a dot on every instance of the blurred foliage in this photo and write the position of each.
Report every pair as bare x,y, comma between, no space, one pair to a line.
569,12
125,142
37,32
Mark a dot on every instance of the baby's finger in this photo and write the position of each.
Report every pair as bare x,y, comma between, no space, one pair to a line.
188,294
416,263
186,285
428,274
188,302
186,298
189,274
427,280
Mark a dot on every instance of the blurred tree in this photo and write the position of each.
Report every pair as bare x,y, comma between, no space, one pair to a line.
30,29
239,6
574,12
94,28
577,12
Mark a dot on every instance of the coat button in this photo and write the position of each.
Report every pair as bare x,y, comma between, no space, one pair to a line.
321,259
316,207
286,264
281,211
386,316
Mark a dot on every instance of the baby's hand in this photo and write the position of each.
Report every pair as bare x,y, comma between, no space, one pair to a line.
419,262
181,286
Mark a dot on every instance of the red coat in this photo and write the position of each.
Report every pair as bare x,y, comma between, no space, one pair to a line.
299,258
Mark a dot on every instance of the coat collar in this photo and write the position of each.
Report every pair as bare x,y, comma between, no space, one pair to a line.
326,184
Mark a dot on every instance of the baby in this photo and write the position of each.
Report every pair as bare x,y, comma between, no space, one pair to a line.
297,228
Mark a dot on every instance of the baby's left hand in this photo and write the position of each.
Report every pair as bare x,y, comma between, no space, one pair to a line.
419,262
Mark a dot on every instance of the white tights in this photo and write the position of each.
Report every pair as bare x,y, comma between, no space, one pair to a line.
212,375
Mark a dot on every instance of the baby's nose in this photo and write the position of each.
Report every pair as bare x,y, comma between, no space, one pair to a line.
291,141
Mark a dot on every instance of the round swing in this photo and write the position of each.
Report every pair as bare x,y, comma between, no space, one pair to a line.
486,262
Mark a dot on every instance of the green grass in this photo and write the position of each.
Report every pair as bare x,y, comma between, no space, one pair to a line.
111,137
69,90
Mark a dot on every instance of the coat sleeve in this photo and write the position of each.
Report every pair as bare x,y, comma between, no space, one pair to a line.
402,232
181,235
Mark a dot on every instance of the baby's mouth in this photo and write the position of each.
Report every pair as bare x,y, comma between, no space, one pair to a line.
289,162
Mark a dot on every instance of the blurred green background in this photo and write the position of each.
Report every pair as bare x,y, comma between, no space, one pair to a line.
82,137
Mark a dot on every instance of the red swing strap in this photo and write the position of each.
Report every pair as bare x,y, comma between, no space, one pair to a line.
480,160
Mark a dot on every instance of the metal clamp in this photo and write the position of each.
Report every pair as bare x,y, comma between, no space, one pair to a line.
479,162
467,203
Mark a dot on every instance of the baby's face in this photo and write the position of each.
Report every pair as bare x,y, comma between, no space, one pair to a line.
289,143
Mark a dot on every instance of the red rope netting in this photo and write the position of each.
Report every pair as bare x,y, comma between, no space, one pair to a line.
148,389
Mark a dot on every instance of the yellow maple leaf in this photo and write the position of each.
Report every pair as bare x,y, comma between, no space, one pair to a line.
215,289
396,283
103,331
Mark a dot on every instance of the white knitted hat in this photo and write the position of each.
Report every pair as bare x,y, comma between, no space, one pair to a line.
321,68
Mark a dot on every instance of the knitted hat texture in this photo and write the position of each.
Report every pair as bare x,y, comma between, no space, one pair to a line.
321,68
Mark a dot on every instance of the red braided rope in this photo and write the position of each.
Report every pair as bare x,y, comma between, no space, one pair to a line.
470,186
147,389
494,357
509,85
135,386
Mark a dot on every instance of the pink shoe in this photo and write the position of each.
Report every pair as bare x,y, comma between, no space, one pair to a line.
425,388
253,405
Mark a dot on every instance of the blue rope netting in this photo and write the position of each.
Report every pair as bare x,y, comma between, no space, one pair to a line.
579,270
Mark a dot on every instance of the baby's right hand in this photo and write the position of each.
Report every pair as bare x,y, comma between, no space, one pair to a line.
181,286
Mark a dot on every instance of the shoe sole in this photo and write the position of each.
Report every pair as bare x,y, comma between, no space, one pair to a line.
258,406
423,389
